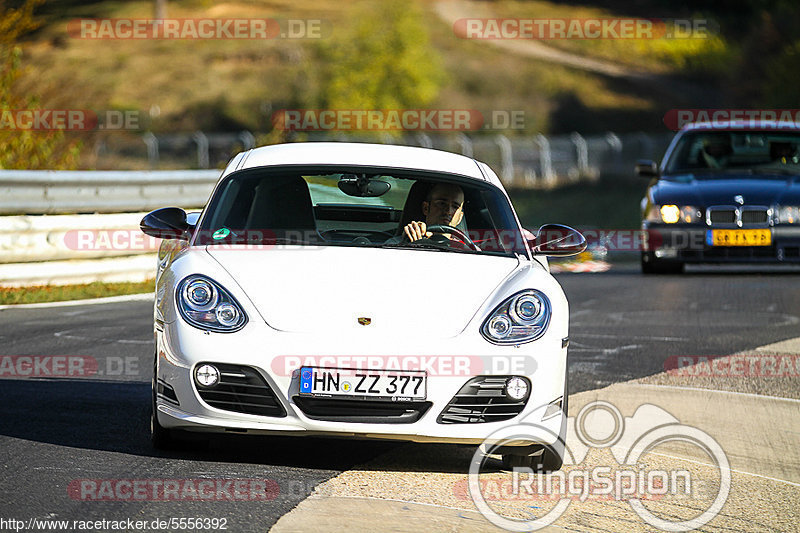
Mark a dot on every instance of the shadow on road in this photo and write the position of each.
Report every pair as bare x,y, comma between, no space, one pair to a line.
111,416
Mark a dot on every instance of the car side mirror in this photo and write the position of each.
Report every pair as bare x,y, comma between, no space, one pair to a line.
646,168
191,219
166,223
556,240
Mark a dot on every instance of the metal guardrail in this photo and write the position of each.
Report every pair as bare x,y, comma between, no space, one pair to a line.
521,162
53,192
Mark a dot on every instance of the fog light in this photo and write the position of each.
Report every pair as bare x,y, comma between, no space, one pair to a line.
516,388
206,375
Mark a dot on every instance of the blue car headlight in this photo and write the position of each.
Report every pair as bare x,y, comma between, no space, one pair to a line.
204,304
522,317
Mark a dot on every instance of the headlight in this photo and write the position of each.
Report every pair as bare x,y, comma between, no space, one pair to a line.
521,318
789,214
206,305
672,214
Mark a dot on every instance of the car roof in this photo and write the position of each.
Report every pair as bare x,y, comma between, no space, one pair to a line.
358,154
745,125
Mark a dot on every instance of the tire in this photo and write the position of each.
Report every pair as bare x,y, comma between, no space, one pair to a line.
551,457
651,265
160,437
545,462
165,439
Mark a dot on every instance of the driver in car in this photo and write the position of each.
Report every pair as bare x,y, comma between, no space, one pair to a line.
443,206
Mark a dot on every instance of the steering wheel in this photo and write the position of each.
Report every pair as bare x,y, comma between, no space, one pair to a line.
444,228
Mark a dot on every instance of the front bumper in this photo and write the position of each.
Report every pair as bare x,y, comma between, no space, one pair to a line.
276,358
690,244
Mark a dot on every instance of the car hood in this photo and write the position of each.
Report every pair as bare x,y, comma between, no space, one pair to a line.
327,289
703,191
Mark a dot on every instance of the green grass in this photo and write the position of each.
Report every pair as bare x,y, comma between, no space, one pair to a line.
57,293
231,85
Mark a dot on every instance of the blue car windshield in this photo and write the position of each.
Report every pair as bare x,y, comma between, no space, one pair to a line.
761,151
360,207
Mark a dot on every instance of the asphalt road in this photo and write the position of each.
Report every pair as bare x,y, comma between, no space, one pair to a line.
56,432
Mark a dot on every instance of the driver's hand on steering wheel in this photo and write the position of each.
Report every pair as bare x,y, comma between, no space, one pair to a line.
416,231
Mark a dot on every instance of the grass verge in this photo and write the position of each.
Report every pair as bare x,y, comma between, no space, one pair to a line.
58,293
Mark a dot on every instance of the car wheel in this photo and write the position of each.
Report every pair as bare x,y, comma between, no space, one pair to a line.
551,458
160,437
651,265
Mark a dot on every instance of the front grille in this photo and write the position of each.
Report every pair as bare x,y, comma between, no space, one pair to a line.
722,216
361,410
754,216
740,216
482,399
241,389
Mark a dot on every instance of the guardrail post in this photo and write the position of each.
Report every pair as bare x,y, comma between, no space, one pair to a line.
202,148
248,140
582,151
423,140
151,142
545,159
465,143
506,159
615,144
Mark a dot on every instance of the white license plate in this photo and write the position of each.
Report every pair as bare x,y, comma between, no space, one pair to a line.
343,383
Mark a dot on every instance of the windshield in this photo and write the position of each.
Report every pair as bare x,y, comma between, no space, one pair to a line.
737,151
360,207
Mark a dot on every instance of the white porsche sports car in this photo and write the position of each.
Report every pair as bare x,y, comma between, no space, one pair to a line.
362,291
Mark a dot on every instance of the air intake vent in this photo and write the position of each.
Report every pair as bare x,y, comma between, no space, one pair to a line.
361,411
722,216
241,389
482,399
754,216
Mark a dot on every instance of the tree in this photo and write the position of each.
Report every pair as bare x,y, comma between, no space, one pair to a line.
25,148
382,61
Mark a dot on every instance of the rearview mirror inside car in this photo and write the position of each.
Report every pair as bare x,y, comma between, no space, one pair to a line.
363,186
